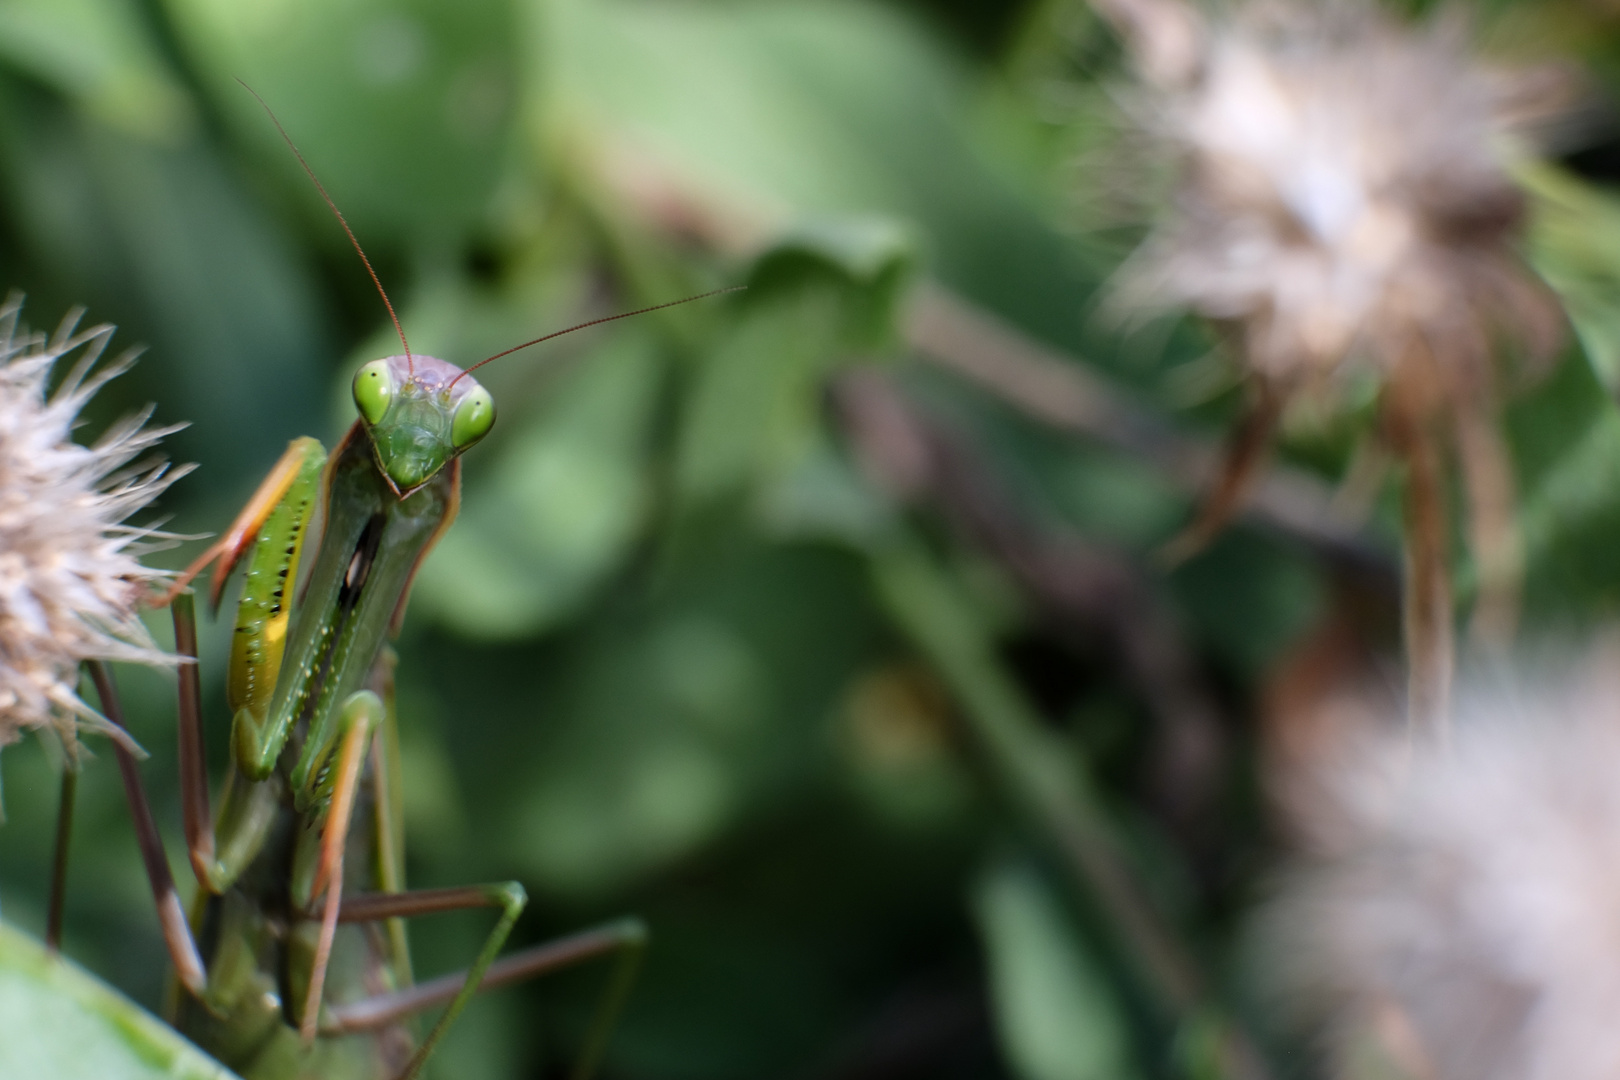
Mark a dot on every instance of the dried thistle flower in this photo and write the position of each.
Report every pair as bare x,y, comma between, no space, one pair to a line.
1345,200
71,578
1461,927
1346,207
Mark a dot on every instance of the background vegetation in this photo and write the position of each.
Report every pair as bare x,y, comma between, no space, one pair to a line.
816,624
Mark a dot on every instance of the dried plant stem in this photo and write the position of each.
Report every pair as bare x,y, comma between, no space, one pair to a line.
1426,598
1246,452
1493,535
1066,393
1363,479
1047,782
1079,587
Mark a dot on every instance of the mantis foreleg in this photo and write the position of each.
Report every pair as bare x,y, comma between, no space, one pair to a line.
274,524
228,550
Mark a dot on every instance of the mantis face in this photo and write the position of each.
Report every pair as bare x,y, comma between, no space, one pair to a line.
419,416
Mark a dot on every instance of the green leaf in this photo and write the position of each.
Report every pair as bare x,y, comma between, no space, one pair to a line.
557,509
764,114
1251,597
1575,245
670,719
59,1021
401,108
1056,1014
874,252
825,296
755,410
731,96
99,54
164,240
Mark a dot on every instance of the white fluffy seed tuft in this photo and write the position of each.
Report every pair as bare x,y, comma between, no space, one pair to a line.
71,577
1463,924
1344,196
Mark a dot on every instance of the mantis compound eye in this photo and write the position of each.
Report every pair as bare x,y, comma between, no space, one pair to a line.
373,391
475,415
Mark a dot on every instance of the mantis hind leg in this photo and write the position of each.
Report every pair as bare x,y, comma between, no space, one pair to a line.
361,716
392,905
626,937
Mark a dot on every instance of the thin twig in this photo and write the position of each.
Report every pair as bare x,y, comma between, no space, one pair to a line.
1083,590
1049,784
1040,775
1246,452
1061,391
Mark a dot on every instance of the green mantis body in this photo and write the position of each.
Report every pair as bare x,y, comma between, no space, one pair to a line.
292,963
311,806
308,834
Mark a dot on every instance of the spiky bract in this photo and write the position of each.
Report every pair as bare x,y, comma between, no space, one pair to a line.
71,576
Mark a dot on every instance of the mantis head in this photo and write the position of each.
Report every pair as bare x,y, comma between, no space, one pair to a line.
420,412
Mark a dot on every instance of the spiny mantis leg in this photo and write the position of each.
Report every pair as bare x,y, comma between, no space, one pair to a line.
182,946
508,896
59,861
273,526
248,809
628,937
229,548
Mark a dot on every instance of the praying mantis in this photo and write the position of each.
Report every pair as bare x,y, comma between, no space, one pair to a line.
293,961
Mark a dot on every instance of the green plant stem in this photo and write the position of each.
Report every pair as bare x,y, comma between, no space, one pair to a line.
59,860
1044,778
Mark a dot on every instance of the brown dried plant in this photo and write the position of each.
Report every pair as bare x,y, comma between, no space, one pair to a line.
1345,211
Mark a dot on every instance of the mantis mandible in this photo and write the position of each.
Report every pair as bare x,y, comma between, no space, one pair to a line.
311,805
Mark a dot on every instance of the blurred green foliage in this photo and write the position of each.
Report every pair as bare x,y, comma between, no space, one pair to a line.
664,662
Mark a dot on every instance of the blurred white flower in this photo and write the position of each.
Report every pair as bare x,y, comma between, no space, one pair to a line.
71,578
1344,196
1462,924
1345,206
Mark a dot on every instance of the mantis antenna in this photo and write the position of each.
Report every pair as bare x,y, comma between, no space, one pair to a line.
375,280
598,322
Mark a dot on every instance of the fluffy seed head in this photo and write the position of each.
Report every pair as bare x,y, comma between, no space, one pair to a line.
70,569
1464,926
1343,195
